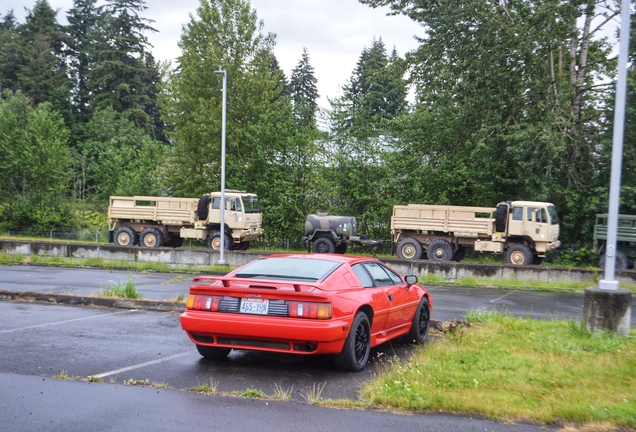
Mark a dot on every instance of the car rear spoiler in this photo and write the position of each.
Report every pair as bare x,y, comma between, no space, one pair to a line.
229,282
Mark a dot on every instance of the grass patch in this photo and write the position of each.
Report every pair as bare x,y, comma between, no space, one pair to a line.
62,375
93,378
314,394
121,289
282,393
207,387
137,382
513,284
253,393
512,369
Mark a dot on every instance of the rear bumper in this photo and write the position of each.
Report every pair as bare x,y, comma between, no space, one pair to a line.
277,334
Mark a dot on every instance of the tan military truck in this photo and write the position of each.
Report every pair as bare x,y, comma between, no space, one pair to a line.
525,230
164,221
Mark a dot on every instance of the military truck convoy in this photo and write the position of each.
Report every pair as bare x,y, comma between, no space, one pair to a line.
161,221
625,241
524,230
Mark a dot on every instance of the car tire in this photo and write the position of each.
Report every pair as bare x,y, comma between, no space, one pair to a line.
439,250
341,249
519,255
409,249
125,236
620,263
357,347
324,245
214,241
420,324
213,352
151,238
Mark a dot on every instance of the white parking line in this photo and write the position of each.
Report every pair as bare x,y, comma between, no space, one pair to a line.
503,296
140,365
64,322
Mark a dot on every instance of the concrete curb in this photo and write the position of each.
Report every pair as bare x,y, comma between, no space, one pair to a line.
111,302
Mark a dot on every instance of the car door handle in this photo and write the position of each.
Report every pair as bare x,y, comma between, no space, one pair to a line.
390,297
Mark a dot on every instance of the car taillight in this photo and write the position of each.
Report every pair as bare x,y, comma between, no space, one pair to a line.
309,310
201,302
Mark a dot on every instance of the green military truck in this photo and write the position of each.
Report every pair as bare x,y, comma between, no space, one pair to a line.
165,221
333,234
625,241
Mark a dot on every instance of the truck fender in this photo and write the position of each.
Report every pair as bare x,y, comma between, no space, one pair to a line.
524,240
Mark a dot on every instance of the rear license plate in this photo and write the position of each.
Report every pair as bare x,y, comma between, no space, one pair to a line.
254,306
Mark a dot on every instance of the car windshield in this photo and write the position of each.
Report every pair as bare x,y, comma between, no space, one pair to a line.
251,204
297,269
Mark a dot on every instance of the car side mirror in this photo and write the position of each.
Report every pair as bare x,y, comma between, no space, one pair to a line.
410,280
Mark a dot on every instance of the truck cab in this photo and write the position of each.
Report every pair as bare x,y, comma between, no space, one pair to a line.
534,222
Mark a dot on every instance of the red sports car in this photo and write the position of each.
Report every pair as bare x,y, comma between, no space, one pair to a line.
307,304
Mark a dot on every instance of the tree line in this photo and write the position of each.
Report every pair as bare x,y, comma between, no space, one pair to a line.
513,100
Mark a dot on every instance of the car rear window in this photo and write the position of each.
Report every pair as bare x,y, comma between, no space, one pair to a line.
288,268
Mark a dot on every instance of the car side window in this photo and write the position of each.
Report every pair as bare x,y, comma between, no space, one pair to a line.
215,203
517,213
379,274
362,274
394,277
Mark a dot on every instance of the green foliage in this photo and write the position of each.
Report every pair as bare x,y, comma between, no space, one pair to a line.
35,161
120,289
304,92
513,369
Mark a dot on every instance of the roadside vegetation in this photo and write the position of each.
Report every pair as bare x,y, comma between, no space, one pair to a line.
121,289
515,369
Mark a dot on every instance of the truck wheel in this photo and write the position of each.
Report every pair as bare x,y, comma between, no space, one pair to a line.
519,254
620,263
460,253
214,241
175,241
151,237
341,248
125,236
537,260
202,207
324,245
500,217
440,250
409,249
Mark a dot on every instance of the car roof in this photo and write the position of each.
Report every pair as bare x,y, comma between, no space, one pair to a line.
350,259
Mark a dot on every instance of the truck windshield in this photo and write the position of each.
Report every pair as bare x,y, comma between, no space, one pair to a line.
554,217
251,204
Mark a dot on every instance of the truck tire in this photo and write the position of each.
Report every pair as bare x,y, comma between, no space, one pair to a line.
151,238
409,249
125,236
244,245
324,245
203,207
214,241
500,217
341,248
440,250
620,263
519,255
174,241
459,254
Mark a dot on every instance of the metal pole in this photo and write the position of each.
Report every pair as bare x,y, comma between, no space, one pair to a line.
224,73
608,283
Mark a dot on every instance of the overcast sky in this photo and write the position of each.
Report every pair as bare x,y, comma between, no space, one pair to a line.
333,31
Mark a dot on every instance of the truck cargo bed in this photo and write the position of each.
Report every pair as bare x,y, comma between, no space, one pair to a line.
168,211
462,221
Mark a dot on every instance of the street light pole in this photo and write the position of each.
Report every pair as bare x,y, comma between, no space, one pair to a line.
222,259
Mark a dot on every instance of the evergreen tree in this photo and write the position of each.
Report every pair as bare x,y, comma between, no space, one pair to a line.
119,78
304,92
42,67
83,19
10,52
